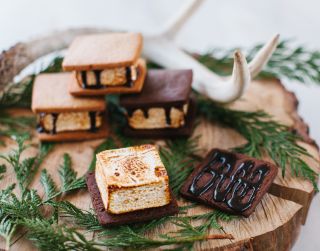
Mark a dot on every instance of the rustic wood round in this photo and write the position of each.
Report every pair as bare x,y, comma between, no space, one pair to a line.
276,222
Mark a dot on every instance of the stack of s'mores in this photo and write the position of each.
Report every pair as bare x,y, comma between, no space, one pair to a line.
71,106
129,184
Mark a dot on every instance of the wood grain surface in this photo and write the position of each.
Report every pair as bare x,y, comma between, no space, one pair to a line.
276,222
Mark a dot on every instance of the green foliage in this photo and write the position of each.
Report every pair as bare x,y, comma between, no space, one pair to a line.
25,169
294,63
264,136
68,176
48,236
50,188
179,159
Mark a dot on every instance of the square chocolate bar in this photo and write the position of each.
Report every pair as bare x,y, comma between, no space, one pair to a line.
231,182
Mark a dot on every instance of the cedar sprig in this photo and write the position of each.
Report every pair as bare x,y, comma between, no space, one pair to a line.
47,236
68,176
264,136
25,169
179,158
288,61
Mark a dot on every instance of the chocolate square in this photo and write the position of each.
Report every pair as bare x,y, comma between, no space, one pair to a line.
231,182
109,220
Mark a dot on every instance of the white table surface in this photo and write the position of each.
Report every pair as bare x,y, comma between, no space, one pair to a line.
226,23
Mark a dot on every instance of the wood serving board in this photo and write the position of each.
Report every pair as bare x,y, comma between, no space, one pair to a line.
276,222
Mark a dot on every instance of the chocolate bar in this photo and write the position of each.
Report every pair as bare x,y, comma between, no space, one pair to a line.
231,182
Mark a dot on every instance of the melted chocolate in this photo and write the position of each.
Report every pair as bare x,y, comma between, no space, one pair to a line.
98,85
128,77
236,186
93,126
54,122
167,112
97,74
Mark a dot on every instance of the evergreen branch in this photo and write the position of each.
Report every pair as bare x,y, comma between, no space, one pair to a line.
81,218
47,236
264,136
68,176
179,159
48,184
7,229
25,169
288,62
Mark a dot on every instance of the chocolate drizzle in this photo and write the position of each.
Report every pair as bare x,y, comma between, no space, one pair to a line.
167,112
236,186
93,126
98,85
128,77
97,74
54,123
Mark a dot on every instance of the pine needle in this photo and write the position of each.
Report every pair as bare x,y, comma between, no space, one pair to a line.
25,169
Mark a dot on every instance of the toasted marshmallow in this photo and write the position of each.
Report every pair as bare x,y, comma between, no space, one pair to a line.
107,77
68,121
156,118
131,179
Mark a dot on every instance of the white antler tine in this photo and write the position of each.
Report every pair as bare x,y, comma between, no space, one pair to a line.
222,90
233,88
263,56
179,19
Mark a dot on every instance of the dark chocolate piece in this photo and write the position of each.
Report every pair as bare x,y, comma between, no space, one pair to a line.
109,220
231,182
162,88
183,131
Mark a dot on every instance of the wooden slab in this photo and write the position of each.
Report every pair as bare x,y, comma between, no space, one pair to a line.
277,220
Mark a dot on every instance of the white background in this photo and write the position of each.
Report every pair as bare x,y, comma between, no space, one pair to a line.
217,23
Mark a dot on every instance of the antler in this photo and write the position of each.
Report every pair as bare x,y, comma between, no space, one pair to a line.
162,50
